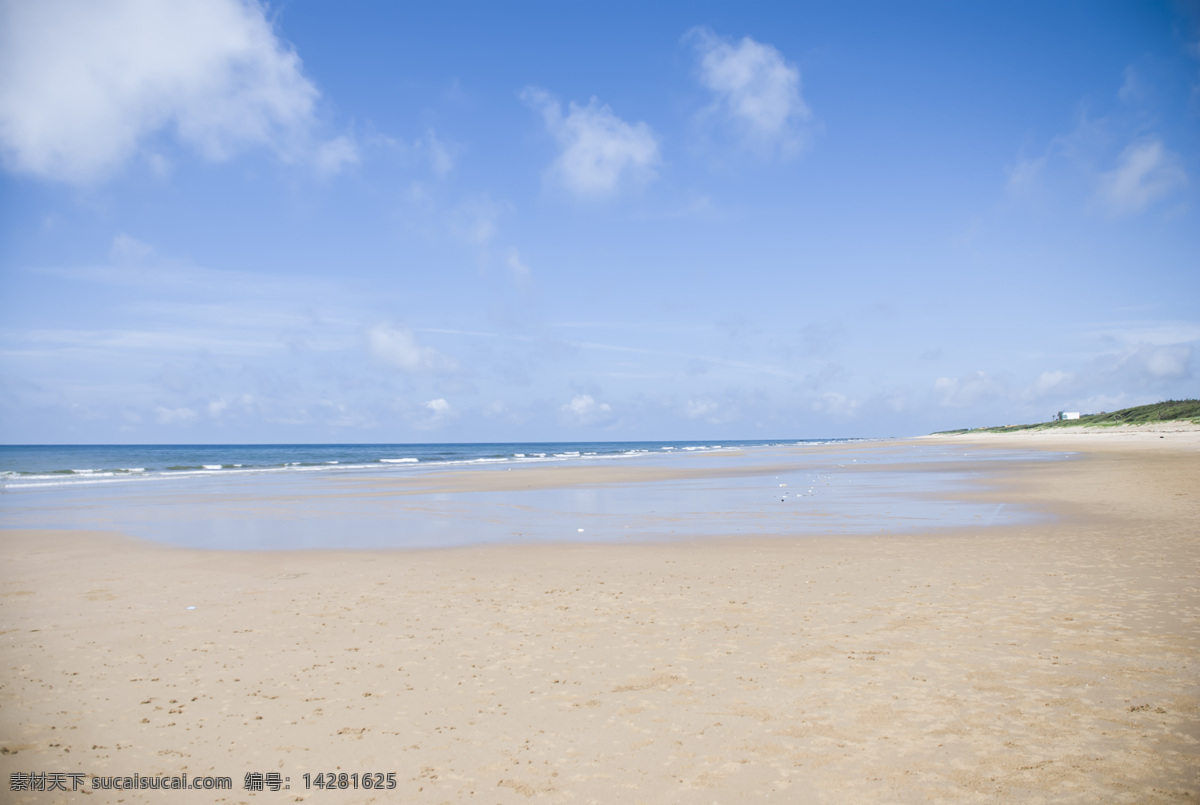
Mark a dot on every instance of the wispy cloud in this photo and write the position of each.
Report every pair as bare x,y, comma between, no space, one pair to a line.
1050,384
1155,361
330,157
755,90
173,416
1123,376
599,153
435,152
750,367
128,342
1025,173
477,219
836,404
1133,88
1137,332
398,347
701,409
1145,172
690,358
341,415
521,273
1085,162
84,85
134,263
968,391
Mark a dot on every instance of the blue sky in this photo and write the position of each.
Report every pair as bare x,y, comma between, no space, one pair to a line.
222,221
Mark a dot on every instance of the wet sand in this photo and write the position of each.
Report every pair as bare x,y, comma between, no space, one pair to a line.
1056,662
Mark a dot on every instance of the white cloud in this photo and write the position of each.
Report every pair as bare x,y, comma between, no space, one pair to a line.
1159,361
1136,375
756,90
396,346
600,152
584,410
1073,164
1145,173
439,411
83,84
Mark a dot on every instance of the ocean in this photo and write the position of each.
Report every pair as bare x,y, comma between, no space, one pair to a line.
43,466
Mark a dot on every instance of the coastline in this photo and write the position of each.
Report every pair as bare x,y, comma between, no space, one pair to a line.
1034,662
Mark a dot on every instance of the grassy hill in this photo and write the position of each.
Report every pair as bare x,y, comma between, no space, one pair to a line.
1169,411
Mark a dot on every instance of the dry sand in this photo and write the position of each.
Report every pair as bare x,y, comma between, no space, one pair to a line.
1058,662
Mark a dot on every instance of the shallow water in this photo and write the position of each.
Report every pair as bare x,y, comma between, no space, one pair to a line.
795,491
40,466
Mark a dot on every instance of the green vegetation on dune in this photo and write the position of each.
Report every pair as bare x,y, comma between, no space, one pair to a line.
1169,411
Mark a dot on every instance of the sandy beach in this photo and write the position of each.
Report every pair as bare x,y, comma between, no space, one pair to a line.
1051,662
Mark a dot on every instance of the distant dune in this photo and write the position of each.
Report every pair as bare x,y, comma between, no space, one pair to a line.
1167,411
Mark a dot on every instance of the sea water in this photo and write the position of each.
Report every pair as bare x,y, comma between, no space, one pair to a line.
391,496
37,466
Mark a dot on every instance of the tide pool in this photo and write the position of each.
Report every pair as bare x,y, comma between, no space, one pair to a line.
771,491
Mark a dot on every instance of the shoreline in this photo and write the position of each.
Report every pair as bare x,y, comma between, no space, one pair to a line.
788,490
1036,662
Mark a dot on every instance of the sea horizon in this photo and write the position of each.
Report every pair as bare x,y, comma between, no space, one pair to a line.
38,466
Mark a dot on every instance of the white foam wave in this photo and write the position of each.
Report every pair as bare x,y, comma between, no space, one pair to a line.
399,460
212,466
